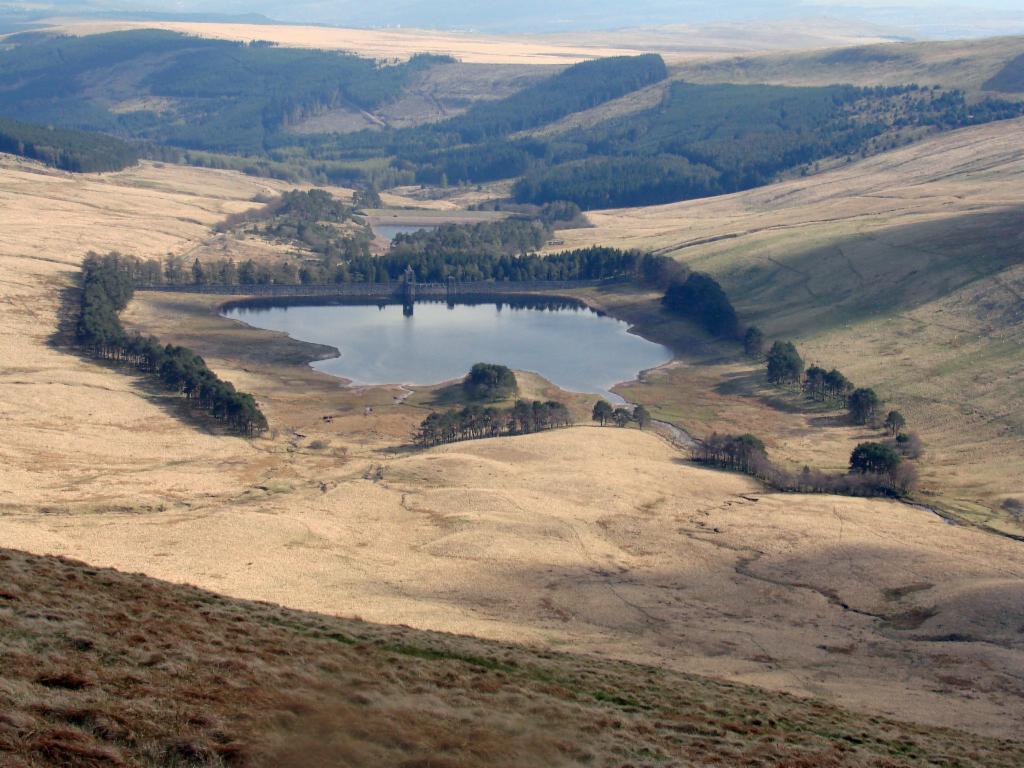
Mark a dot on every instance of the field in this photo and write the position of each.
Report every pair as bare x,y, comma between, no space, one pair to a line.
675,43
903,270
587,540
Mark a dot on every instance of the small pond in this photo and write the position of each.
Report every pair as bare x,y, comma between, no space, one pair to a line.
388,231
382,343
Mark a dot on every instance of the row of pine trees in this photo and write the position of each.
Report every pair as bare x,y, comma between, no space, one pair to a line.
106,290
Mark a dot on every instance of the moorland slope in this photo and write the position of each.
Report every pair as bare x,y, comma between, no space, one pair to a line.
102,668
903,270
586,539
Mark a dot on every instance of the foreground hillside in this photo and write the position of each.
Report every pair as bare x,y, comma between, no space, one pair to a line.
903,270
102,668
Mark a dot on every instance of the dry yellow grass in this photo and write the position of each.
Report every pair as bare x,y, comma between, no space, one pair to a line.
902,270
677,43
101,668
375,43
595,540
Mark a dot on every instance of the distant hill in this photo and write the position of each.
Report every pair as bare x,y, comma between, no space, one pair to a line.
607,132
190,92
963,64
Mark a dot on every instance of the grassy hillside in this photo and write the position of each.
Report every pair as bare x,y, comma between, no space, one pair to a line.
588,540
903,270
1009,79
967,65
105,668
964,64
680,42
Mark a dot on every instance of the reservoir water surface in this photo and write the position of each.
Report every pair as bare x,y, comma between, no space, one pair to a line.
569,344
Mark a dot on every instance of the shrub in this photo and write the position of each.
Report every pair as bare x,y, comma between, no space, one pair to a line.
862,404
874,458
489,381
602,412
909,445
753,342
784,363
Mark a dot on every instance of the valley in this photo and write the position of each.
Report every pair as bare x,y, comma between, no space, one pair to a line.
358,585
336,517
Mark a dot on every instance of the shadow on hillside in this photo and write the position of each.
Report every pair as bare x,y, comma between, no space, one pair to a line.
877,273
68,300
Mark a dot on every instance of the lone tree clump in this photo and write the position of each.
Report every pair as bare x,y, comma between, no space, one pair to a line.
701,299
894,422
874,458
602,412
753,342
642,416
488,381
785,366
862,404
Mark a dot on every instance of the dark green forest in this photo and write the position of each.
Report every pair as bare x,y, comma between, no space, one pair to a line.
714,139
69,150
473,147
594,263
229,105
222,96
107,287
493,250
700,140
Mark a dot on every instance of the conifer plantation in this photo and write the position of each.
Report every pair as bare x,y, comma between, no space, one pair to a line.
106,290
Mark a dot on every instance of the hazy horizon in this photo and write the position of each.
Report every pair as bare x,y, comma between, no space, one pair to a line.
908,18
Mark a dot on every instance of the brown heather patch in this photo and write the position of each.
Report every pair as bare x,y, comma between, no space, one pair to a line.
180,676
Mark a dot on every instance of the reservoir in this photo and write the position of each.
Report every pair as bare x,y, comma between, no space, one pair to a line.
381,343
388,231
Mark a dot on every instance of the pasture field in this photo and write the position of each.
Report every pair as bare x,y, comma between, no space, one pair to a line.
583,540
387,44
676,43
